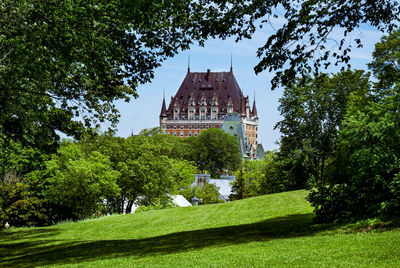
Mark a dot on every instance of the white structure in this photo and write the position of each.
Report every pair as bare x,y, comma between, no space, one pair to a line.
180,201
224,184
224,187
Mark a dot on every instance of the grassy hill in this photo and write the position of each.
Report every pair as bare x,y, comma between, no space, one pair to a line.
271,230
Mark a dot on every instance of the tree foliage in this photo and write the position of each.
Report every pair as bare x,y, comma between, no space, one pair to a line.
363,181
313,110
207,194
21,203
364,178
258,177
386,64
79,181
61,62
306,40
150,166
66,61
19,159
215,151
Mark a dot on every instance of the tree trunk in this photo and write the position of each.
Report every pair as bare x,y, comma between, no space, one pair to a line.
129,207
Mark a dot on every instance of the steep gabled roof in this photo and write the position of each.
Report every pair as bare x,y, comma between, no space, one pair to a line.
220,85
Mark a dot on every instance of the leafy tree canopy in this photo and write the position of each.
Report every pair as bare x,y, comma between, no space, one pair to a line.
215,151
80,181
386,64
65,61
306,33
313,110
364,178
259,177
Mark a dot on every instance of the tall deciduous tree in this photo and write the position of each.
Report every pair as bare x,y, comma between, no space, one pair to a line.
148,169
386,64
79,181
313,110
65,61
364,181
215,151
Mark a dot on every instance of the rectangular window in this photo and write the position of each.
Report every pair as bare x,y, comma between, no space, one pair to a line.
195,134
201,126
213,126
190,134
206,126
190,126
174,126
181,133
181,126
195,126
174,133
167,126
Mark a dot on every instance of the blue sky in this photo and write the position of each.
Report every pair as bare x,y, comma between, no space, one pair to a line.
144,111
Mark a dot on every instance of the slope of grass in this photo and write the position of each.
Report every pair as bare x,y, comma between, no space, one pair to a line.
271,230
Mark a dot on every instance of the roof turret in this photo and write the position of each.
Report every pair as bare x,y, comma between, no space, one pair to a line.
163,109
254,110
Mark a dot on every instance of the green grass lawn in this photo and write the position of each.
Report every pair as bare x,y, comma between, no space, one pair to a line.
271,230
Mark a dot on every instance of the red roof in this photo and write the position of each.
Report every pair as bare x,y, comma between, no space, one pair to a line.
220,85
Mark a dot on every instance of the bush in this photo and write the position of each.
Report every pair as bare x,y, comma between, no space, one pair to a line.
392,205
19,205
208,194
156,206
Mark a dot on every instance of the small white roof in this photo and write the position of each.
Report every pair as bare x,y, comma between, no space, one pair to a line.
225,186
180,201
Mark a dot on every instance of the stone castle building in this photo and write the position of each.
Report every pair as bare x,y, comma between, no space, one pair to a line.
205,100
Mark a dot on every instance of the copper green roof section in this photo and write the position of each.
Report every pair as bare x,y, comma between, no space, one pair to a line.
260,153
233,125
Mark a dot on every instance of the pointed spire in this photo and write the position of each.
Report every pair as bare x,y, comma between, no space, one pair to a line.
163,107
231,64
254,110
243,107
188,63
